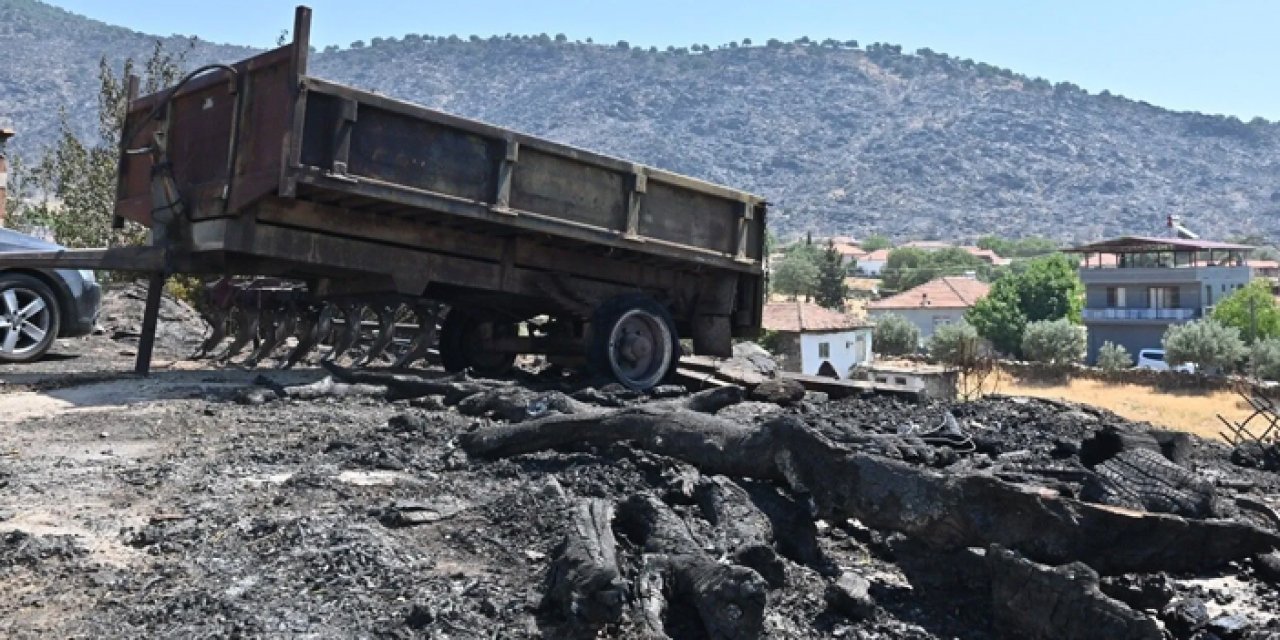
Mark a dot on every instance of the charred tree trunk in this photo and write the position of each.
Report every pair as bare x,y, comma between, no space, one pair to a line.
726,601
946,511
584,582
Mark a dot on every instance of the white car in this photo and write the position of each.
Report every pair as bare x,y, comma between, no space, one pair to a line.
1154,359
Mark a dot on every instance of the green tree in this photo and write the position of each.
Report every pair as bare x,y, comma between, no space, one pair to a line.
895,335
1208,344
1049,289
909,267
1114,357
903,267
955,344
830,290
71,190
1056,342
1045,288
1252,310
1264,359
875,242
796,274
999,319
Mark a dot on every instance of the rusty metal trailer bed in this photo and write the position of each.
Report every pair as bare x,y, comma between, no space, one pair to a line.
259,168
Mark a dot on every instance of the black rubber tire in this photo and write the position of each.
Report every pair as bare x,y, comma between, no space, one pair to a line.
458,340
603,321
10,281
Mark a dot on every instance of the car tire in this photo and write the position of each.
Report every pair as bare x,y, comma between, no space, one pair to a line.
29,318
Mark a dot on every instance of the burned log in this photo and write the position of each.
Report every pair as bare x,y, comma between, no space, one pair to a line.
1144,479
1058,603
584,582
945,511
405,386
683,590
746,534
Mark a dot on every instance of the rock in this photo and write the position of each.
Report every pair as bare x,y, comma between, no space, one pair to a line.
1185,616
534,556
753,357
592,395
817,396
780,391
1032,600
1267,566
850,596
429,403
1229,627
1138,591
1078,417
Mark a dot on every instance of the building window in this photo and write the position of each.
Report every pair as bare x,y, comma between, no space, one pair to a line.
824,349
1164,297
1115,297
1208,295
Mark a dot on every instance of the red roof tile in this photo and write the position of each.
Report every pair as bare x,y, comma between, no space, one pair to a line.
805,316
942,293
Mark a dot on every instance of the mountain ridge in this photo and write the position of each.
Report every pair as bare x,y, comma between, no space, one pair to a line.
842,140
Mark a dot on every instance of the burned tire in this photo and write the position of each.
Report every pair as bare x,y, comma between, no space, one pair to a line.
29,318
633,339
462,338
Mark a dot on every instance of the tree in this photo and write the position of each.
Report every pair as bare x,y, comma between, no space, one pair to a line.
960,348
358,44
796,274
562,38
1208,344
1264,359
1114,357
954,344
72,188
895,335
624,45
998,318
1049,289
1252,310
1055,342
909,267
875,243
746,42
830,290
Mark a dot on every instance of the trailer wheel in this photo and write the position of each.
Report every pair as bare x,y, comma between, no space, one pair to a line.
462,343
633,339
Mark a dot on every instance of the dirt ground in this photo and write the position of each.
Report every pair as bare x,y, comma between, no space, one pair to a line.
1193,411
180,506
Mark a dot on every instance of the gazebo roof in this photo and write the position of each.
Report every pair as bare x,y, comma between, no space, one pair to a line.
1148,244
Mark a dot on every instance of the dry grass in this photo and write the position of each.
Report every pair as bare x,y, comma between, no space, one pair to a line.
1192,411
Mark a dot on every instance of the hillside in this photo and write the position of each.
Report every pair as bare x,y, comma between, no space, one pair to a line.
841,140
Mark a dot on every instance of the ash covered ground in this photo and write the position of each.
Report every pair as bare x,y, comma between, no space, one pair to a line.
207,501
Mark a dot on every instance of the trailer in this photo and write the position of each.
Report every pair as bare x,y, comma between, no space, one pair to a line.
257,168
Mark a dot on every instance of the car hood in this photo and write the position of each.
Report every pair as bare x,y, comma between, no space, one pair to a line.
11,240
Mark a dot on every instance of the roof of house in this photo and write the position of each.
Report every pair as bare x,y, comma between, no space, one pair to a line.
949,292
846,249
1144,244
879,255
986,254
795,316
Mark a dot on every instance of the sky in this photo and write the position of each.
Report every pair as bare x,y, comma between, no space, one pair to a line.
1211,56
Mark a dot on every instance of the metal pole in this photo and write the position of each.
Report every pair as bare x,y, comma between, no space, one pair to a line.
150,316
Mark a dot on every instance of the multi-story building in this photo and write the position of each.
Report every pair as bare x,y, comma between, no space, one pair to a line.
1136,287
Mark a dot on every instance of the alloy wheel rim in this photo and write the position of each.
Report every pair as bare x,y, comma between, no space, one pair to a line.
25,319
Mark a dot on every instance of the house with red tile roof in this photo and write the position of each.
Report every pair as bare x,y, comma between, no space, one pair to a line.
815,340
938,302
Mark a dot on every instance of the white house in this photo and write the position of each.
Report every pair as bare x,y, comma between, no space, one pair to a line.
873,263
817,341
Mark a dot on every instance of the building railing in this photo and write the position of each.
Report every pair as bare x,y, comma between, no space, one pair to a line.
1140,314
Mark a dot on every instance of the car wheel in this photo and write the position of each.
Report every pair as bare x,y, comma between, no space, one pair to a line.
29,318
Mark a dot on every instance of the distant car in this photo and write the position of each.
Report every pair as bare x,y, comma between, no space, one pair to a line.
38,306
1154,359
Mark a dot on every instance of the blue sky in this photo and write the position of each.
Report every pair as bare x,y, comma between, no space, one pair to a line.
1215,57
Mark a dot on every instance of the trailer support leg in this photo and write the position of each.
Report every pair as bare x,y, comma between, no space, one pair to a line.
150,316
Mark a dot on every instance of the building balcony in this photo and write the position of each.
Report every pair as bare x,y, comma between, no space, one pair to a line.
1166,315
1157,276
